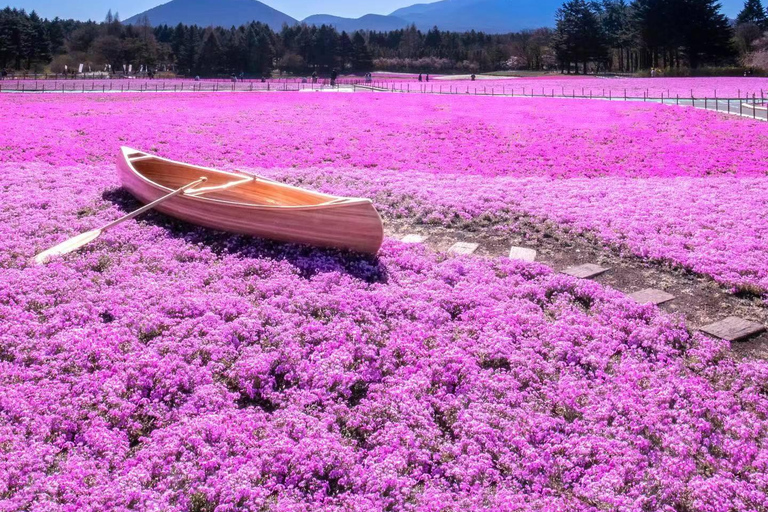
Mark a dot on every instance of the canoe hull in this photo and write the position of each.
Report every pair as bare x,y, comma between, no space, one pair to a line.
354,225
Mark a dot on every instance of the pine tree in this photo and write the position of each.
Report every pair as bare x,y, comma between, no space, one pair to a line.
361,57
7,23
40,44
670,30
753,12
211,55
579,37
346,50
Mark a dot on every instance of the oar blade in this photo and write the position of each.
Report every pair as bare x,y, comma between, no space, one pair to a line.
68,246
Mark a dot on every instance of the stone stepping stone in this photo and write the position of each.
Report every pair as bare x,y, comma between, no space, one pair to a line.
652,296
522,254
463,248
586,271
413,239
733,328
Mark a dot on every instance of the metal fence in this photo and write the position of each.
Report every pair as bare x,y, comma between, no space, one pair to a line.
752,105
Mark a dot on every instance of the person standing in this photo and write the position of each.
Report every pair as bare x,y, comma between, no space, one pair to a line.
334,74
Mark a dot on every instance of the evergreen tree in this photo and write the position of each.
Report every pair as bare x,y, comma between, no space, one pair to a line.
324,48
39,50
346,50
753,12
707,33
619,32
433,41
579,36
211,56
361,57
670,30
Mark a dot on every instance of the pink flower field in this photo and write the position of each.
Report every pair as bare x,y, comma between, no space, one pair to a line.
170,367
479,147
564,85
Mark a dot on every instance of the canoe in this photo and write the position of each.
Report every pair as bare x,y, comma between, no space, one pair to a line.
252,205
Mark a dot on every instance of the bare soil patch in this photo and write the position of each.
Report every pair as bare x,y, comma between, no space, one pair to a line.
699,299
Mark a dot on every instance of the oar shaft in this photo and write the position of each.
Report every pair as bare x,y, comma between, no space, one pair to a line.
207,190
152,204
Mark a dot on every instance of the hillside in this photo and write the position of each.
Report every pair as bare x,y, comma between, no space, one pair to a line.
223,13
493,16
375,22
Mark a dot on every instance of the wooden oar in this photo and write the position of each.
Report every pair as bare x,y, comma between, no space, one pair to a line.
207,190
80,240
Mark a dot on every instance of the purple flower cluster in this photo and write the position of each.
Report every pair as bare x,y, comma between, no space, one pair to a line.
438,134
715,226
168,367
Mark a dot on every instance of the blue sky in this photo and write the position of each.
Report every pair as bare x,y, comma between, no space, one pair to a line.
97,9
300,9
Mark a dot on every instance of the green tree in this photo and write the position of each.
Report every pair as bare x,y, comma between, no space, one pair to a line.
579,36
619,32
211,56
346,50
672,30
753,12
361,57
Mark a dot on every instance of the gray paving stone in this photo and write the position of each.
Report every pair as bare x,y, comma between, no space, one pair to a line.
733,328
414,239
463,248
522,253
586,271
652,296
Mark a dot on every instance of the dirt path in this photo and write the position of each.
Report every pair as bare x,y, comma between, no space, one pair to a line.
699,299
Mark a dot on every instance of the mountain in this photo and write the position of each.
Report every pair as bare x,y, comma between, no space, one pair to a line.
375,22
225,13
492,16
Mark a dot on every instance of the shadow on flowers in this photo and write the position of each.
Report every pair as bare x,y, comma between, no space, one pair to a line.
309,261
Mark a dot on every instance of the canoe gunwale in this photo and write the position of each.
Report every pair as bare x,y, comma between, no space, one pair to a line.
334,202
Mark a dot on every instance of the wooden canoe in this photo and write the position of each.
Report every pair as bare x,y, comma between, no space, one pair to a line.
252,205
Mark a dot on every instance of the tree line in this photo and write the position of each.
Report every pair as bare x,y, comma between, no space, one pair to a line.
28,42
609,35
614,35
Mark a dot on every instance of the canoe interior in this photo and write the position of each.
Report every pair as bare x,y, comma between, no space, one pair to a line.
259,192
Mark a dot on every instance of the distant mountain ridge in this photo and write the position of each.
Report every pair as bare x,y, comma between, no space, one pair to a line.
491,16
374,22
224,13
